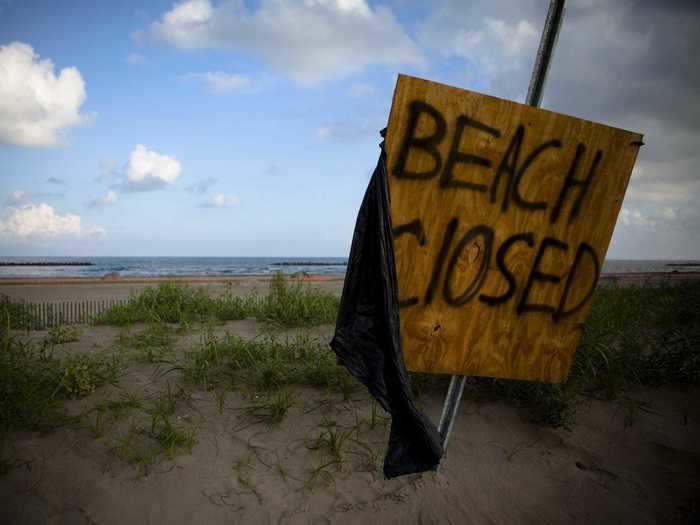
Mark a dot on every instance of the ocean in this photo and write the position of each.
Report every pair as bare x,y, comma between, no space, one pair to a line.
186,266
172,266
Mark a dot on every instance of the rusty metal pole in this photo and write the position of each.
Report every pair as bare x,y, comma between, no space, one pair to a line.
548,41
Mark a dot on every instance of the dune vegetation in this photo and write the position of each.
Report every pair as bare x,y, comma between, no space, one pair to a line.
647,335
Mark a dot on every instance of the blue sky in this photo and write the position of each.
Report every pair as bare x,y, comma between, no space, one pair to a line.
251,128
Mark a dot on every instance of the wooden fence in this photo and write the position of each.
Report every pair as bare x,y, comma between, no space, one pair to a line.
46,314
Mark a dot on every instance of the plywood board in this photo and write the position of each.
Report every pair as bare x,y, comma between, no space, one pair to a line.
502,215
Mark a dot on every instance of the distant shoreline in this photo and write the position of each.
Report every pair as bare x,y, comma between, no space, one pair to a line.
605,277
310,263
161,279
46,263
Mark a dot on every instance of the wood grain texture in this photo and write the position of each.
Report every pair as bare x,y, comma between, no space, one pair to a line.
510,339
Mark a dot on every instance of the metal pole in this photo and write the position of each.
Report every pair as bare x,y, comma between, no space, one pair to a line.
548,41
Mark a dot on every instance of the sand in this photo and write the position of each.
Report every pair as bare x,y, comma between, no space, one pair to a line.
84,289
632,460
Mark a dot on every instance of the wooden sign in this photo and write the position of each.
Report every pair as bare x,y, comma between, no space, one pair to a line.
502,214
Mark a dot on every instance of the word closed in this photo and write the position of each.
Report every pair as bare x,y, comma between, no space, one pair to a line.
502,214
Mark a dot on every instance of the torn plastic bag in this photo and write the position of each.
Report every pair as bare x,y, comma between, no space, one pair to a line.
367,340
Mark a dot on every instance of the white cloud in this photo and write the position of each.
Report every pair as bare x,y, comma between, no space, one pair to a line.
515,38
18,197
635,218
36,106
40,221
149,170
494,46
95,232
309,41
107,199
135,59
221,200
654,216
669,213
221,83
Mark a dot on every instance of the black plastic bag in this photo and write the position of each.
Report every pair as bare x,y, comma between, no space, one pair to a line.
367,340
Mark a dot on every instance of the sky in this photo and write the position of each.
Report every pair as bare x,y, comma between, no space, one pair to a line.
251,128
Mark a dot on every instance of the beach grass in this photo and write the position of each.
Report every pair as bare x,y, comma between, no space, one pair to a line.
30,384
108,411
151,344
647,335
15,315
34,382
62,334
266,363
290,304
176,303
271,409
286,304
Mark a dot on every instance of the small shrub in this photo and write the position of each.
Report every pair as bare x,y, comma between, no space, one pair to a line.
15,316
289,305
81,374
154,344
284,305
177,303
62,334
30,378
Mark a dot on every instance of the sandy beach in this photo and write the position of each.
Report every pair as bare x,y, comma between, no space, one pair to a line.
632,459
80,288
636,459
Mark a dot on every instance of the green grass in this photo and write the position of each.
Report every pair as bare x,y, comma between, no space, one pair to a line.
176,303
296,304
205,365
645,335
171,437
135,447
30,384
153,344
62,334
109,411
82,374
15,316
634,336
336,447
285,305
265,363
271,409
145,444
34,382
